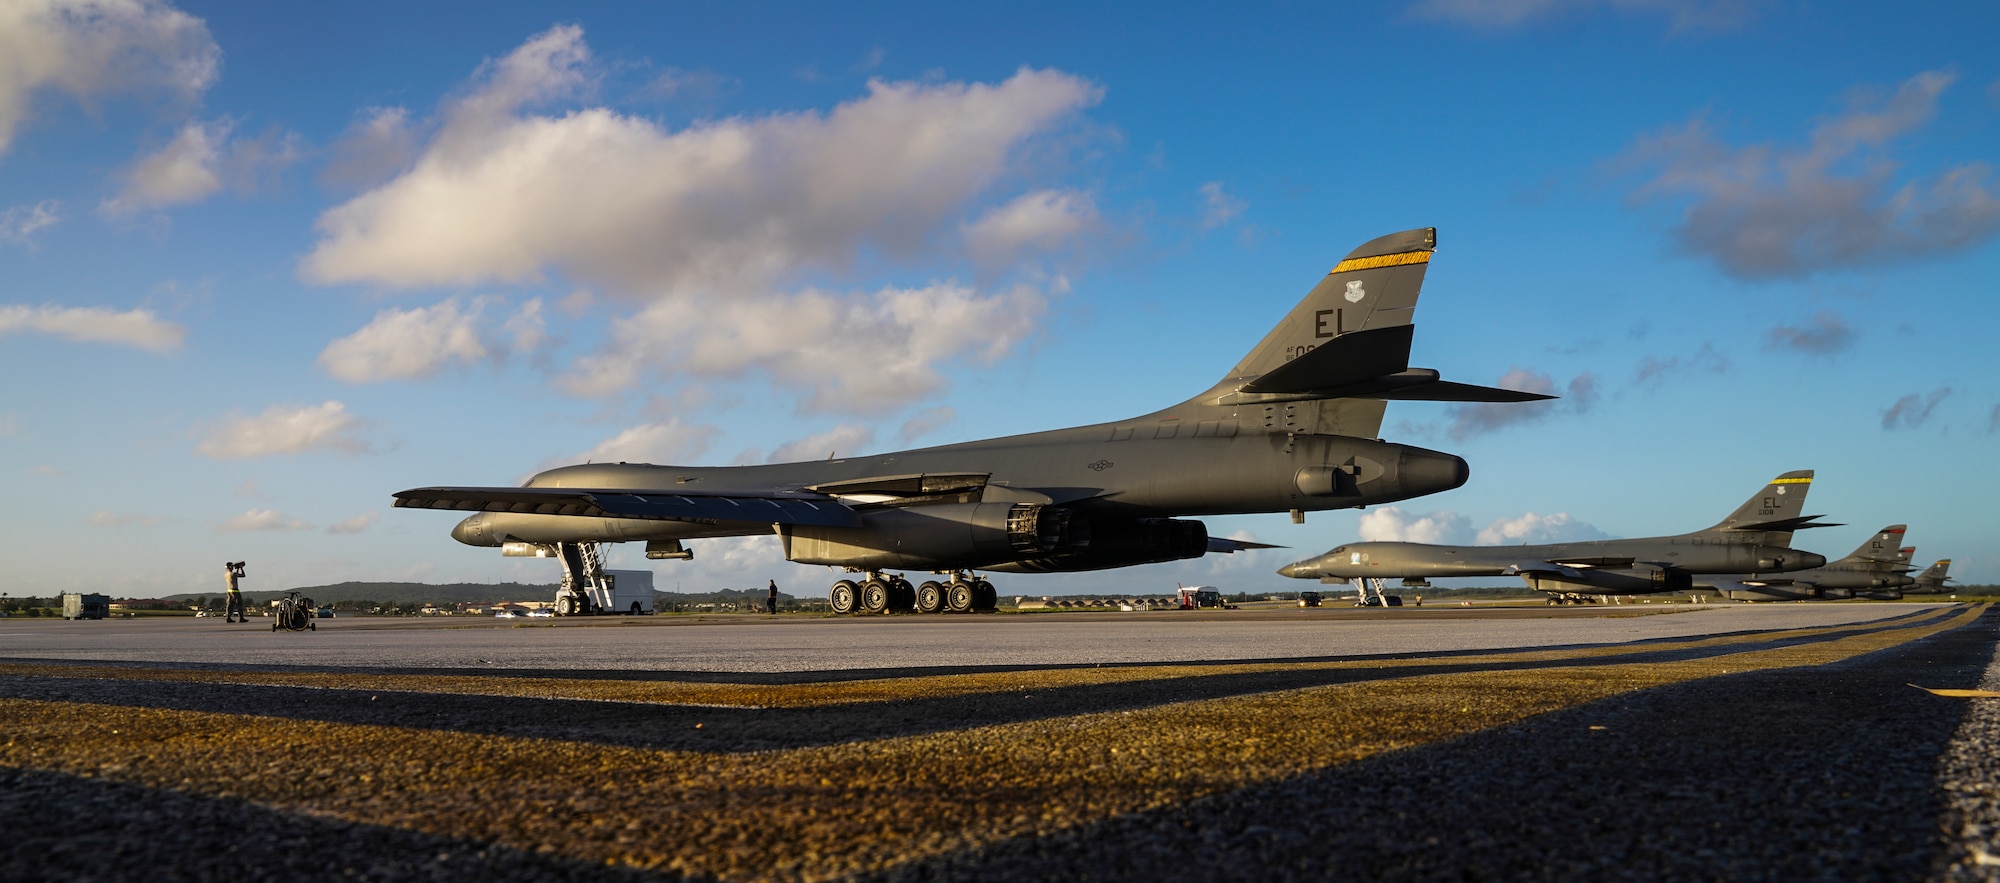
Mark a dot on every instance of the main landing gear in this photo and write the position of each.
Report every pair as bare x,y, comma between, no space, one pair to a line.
1560,598
887,593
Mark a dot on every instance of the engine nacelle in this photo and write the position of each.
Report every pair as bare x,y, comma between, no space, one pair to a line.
1018,537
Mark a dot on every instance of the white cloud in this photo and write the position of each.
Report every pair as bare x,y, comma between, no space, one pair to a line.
107,518
660,443
499,195
844,440
1218,207
196,164
809,341
710,224
19,223
1044,219
1531,527
1689,16
137,328
406,344
1911,411
1765,211
285,429
1823,335
378,145
925,422
1392,524
1707,359
354,525
261,519
527,328
183,171
92,48
1472,419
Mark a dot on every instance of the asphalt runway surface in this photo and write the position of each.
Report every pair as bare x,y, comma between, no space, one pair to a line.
1784,741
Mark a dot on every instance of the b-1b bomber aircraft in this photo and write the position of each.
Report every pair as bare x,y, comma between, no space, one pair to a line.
1932,580
1291,428
1756,538
1878,569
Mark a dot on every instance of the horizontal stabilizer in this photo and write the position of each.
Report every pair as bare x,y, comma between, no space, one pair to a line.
1450,391
1420,385
1220,544
1802,522
1351,358
755,508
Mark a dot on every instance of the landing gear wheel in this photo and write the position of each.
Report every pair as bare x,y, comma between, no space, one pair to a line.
902,595
958,596
566,606
984,596
875,596
930,597
842,596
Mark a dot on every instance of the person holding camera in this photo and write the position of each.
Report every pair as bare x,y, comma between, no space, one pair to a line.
231,572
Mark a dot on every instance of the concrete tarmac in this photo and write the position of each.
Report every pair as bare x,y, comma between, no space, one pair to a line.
750,643
1765,742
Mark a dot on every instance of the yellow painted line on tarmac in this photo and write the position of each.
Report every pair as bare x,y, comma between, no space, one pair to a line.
822,694
826,811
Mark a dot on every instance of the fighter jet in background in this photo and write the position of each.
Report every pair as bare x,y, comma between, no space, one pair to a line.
1879,568
1292,427
1755,538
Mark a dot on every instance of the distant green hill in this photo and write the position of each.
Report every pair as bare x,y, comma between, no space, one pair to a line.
399,593
456,593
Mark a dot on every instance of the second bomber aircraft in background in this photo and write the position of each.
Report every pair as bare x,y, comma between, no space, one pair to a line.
1755,539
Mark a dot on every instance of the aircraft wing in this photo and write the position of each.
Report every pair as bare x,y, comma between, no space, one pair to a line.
759,507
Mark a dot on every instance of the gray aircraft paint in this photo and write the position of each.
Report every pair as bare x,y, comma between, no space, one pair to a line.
1291,427
1930,582
1878,568
1754,538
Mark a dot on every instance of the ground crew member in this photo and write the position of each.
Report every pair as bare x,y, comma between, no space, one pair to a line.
771,599
233,571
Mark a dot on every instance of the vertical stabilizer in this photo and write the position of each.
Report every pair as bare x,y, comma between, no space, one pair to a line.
1885,547
1373,288
1779,506
1933,578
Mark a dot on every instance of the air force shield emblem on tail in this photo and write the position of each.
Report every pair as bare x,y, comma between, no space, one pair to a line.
1355,292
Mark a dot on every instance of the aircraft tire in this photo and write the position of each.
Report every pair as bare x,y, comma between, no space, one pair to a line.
875,596
958,597
930,597
984,596
842,596
902,595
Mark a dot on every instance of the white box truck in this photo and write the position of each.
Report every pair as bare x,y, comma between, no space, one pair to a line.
624,591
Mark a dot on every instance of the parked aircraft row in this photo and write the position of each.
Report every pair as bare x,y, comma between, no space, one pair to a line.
1292,427
1746,556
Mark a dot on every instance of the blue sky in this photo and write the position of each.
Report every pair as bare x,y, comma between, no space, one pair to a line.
262,265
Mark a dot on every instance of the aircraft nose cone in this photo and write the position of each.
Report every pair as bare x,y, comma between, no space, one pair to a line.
1295,570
